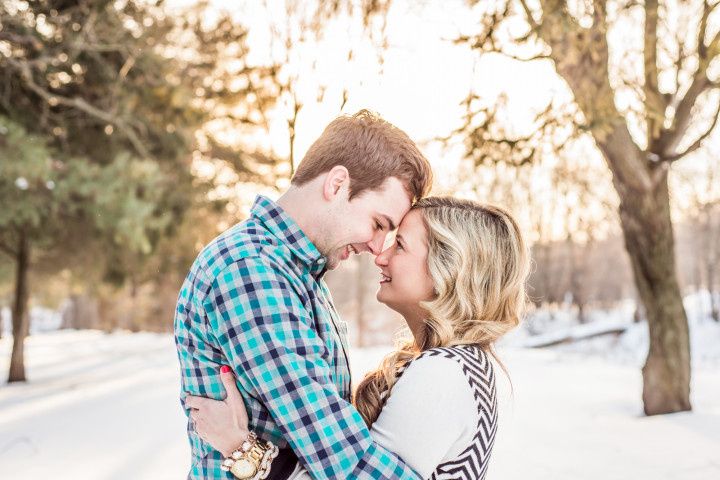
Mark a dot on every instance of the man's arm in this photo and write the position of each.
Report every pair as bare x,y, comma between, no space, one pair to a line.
266,334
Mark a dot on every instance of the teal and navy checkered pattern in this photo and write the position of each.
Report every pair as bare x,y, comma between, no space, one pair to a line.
255,299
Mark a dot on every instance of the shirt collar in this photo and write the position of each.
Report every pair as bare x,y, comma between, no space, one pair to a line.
289,233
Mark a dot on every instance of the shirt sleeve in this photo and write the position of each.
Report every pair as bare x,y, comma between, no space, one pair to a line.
267,335
430,415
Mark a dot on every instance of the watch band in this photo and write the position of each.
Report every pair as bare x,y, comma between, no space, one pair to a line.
252,460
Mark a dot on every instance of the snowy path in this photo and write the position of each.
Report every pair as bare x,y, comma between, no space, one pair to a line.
97,407
105,407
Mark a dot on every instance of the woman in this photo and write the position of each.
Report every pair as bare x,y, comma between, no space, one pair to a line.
456,273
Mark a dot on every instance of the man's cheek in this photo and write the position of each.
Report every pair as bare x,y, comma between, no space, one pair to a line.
364,237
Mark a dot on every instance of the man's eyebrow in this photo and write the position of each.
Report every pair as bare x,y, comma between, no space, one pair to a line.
389,221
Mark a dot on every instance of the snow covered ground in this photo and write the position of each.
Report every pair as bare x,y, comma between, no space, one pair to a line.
629,348
104,406
579,417
96,406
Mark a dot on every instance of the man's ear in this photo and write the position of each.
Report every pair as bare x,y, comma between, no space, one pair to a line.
335,180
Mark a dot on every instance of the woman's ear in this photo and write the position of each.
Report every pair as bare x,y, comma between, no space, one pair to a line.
335,180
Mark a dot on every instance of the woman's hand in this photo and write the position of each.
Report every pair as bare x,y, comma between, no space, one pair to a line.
221,423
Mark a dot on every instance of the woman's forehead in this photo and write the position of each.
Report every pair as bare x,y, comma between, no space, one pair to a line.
412,227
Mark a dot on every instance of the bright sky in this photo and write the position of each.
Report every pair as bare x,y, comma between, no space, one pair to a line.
424,79
419,88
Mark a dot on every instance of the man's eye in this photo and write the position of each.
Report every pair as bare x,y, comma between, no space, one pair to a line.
378,226
399,247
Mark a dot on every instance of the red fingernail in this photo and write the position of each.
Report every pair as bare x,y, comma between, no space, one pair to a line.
224,369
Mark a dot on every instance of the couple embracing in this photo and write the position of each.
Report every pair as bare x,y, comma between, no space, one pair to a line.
264,355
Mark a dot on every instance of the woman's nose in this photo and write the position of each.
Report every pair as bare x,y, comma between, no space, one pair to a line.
382,258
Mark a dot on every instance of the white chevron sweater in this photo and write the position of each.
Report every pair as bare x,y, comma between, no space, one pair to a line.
441,416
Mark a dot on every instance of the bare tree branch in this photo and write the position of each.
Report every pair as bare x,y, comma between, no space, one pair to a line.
654,104
583,63
4,248
525,59
697,143
90,47
529,16
671,137
679,63
21,39
668,142
80,104
702,31
713,48
600,13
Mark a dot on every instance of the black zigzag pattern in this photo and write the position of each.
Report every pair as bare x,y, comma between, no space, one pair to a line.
472,463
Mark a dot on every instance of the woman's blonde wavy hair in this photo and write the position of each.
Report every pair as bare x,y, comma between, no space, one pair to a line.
479,263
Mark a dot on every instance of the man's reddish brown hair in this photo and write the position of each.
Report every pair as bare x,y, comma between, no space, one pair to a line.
372,150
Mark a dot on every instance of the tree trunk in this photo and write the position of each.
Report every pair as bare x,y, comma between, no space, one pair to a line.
576,278
648,233
81,312
20,323
711,265
714,296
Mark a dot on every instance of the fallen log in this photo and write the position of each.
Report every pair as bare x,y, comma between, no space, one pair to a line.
570,336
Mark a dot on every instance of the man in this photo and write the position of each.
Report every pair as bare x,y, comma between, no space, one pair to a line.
255,298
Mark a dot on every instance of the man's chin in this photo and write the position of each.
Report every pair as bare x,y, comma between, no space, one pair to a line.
332,263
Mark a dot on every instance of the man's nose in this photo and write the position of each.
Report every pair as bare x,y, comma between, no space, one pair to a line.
375,245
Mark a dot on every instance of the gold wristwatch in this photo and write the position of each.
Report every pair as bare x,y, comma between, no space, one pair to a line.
252,459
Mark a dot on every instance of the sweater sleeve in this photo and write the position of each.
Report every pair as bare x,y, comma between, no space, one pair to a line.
430,416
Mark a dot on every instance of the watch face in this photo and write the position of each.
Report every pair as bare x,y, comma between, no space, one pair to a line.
243,469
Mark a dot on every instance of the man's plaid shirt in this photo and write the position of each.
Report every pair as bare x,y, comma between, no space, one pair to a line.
255,299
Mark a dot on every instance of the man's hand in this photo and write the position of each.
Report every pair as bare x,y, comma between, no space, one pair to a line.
221,423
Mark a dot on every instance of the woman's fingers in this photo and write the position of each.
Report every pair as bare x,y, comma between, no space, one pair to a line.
198,418
234,399
221,423
228,381
197,403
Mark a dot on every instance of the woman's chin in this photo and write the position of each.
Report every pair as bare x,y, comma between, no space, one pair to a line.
387,299
381,295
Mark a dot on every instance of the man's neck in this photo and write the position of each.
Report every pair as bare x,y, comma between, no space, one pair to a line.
293,203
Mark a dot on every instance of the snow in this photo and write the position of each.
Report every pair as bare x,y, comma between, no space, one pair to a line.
97,406
41,320
582,418
629,348
105,406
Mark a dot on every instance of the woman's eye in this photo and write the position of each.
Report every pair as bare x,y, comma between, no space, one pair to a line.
378,226
399,247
